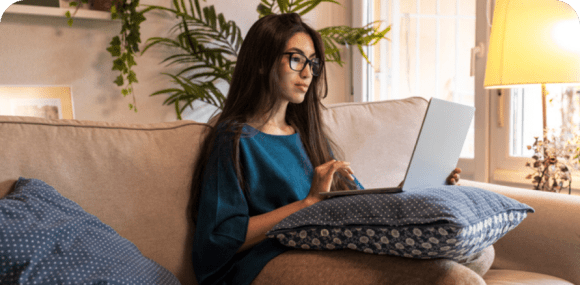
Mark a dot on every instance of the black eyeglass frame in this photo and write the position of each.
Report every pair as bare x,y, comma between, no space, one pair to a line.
309,62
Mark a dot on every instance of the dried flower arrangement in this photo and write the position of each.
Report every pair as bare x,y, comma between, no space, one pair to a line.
555,156
551,159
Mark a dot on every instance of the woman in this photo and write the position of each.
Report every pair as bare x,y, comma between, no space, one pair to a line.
268,156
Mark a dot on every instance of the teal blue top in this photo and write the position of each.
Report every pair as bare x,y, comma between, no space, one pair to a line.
277,171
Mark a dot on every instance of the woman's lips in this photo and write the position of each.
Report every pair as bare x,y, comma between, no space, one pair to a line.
303,87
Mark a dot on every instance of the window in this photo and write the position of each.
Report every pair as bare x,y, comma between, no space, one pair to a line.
428,55
521,122
432,54
526,115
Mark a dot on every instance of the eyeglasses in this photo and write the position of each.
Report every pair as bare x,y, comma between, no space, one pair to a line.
298,62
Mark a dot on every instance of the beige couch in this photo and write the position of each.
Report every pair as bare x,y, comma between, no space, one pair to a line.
136,178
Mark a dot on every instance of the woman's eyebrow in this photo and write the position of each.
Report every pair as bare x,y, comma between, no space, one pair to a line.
301,52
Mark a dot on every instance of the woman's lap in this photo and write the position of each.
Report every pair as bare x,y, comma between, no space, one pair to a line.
353,267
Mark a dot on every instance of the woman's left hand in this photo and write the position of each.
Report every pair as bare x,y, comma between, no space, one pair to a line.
454,176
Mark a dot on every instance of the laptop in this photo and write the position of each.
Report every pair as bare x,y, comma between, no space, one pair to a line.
436,151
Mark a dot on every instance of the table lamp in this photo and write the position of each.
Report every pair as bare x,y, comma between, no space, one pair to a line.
533,42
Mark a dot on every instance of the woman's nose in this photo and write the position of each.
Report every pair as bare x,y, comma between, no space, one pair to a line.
306,72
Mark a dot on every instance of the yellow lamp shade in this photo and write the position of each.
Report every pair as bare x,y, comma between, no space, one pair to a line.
533,42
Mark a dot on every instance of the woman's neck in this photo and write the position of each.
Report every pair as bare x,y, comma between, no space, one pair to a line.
275,125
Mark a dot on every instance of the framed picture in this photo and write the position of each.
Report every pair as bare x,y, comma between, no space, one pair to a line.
49,102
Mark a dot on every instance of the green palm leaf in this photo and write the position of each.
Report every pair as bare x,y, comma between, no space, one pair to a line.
208,46
348,36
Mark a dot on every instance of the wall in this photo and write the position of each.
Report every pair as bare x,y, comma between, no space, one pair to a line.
44,50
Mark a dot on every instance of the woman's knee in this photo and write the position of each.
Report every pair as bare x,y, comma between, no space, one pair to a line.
460,275
480,262
443,272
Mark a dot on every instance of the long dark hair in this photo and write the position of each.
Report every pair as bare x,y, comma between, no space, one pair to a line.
255,87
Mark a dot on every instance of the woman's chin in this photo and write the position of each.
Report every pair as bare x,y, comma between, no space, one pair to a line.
297,98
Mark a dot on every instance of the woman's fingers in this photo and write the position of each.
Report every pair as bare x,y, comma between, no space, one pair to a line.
456,174
347,173
350,170
454,177
343,167
336,165
350,173
323,174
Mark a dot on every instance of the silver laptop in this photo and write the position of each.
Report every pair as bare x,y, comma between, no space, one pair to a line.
437,149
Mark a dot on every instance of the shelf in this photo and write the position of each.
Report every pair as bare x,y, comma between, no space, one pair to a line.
57,12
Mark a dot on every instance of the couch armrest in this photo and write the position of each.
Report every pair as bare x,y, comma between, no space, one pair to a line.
547,241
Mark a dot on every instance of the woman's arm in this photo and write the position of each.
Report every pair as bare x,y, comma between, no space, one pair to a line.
259,225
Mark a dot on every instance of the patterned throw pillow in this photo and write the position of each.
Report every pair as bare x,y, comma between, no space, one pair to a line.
436,222
46,238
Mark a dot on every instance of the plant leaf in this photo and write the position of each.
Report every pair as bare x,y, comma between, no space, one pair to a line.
283,5
311,5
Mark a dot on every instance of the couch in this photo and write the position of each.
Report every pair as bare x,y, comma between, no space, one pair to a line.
136,178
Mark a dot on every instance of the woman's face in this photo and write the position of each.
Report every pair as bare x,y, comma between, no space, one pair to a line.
295,84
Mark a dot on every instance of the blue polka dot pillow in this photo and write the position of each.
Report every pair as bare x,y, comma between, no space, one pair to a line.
436,222
48,239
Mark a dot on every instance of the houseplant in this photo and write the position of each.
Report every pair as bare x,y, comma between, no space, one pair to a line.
208,45
123,47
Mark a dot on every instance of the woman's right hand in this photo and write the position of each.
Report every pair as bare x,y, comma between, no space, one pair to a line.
322,179
259,225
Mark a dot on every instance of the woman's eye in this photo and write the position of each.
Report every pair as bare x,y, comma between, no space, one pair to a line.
296,59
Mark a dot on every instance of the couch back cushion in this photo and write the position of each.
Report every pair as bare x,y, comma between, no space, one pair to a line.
135,178
377,138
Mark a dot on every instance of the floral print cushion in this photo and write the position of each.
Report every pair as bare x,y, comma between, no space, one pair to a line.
434,222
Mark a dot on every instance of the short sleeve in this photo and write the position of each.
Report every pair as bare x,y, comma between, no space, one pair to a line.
223,215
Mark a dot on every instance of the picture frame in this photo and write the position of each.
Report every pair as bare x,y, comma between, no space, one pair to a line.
49,102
